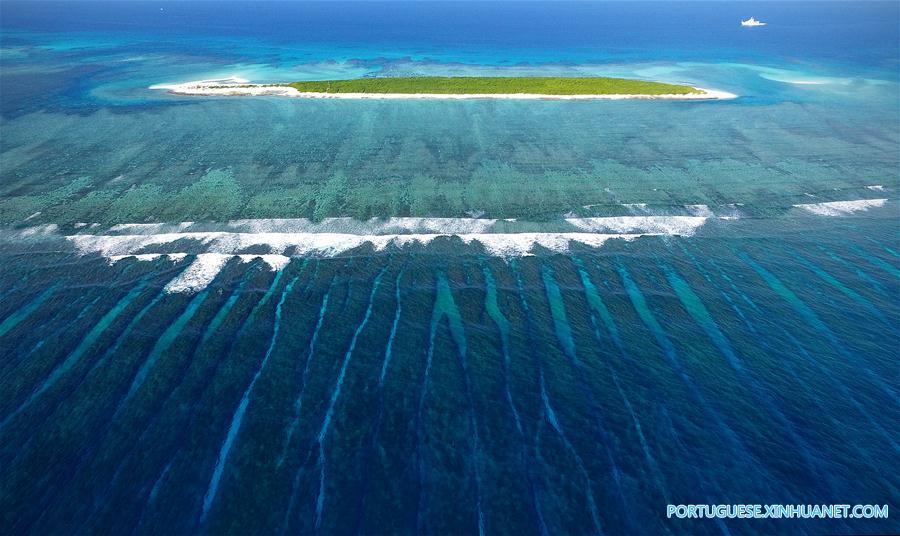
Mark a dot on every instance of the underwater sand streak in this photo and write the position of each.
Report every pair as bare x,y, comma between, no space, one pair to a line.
493,311
335,394
889,250
597,305
496,315
248,321
86,343
388,353
84,456
550,414
813,320
642,308
13,320
695,308
792,369
298,404
445,306
421,501
554,422
680,446
162,344
238,418
454,320
880,263
310,353
842,288
876,286
567,342
63,326
35,424
379,417
211,329
698,311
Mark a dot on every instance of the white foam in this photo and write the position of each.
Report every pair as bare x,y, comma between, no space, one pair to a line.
331,244
876,187
670,225
699,210
174,257
274,262
275,238
39,230
250,234
333,236
841,208
199,274
111,245
154,233
148,228
397,225
142,257
206,266
523,244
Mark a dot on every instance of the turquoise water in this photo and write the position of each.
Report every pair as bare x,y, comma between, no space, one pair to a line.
269,315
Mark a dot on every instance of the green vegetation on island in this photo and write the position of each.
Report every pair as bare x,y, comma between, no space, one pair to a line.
480,85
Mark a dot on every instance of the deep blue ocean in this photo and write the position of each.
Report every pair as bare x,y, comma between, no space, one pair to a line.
264,315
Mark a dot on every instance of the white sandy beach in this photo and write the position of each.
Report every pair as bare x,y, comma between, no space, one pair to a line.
239,87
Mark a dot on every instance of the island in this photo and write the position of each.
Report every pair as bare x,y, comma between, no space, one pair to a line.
453,87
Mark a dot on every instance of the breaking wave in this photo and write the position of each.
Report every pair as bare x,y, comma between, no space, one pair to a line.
276,241
841,208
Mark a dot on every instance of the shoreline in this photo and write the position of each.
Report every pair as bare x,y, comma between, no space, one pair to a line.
239,87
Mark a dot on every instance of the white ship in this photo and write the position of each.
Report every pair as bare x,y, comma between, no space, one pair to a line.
752,22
